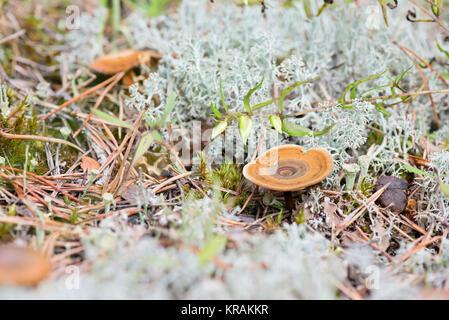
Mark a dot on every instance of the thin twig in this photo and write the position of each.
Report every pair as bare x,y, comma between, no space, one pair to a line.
78,97
40,138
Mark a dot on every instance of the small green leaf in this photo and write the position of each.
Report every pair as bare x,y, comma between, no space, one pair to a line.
441,49
218,129
354,85
417,171
307,9
320,133
295,130
384,11
248,96
403,73
436,8
214,246
245,127
276,122
222,100
286,91
145,142
300,131
157,136
262,104
444,188
365,94
214,108
353,94
168,108
112,119
381,109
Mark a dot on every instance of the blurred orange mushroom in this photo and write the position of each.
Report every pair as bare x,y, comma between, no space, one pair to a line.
288,168
22,266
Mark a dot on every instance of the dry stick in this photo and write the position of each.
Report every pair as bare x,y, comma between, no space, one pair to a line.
172,179
247,201
111,136
35,222
116,152
386,97
129,212
99,139
218,188
97,206
20,194
118,76
170,150
332,192
198,188
78,97
232,222
424,62
395,226
171,186
349,291
56,211
39,178
375,246
419,247
67,253
32,137
77,114
12,36
123,172
43,193
425,81
358,212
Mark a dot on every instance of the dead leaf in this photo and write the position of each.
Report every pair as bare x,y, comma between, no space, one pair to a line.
431,148
136,194
381,236
419,161
410,210
89,164
330,209
119,61
128,78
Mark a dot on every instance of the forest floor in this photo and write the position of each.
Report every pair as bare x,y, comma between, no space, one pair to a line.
101,179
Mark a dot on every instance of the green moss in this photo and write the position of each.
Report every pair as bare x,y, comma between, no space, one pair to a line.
227,176
22,120
366,187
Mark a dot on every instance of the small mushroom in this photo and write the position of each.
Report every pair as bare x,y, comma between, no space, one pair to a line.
394,197
22,266
287,168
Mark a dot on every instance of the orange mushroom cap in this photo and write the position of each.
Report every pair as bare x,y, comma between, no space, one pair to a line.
22,266
288,168
119,61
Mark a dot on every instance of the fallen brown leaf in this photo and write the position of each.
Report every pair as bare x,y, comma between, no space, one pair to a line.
89,164
120,61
